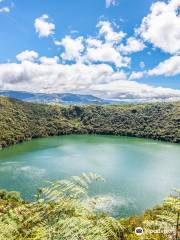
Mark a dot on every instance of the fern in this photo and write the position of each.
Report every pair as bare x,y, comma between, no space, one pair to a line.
61,212
75,187
73,218
169,219
8,229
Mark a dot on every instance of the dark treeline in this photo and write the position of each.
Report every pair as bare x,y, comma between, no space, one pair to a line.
20,121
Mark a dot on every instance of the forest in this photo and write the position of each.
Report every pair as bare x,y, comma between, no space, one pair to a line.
21,121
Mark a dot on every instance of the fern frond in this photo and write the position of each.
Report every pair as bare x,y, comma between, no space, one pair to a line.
75,187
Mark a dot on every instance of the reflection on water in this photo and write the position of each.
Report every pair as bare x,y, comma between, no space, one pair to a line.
139,173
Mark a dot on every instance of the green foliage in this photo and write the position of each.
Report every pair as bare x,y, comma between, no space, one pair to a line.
60,212
8,229
20,121
159,223
169,218
5,195
64,211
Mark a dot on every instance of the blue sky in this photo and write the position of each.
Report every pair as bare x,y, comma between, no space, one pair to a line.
111,49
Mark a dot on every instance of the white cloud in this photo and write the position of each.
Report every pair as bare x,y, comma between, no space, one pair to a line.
93,42
110,2
43,27
73,48
169,67
136,75
91,50
27,56
97,79
4,10
161,26
108,54
111,36
132,89
132,45
49,61
96,67
105,50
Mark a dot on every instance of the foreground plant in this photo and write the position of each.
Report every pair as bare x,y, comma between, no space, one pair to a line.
168,221
61,212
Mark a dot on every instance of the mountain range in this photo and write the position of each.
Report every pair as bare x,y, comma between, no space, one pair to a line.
62,98
72,98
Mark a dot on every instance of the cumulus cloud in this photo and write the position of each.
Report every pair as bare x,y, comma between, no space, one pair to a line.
108,54
87,65
97,79
4,10
27,56
49,61
106,30
125,89
43,27
132,45
93,42
136,75
104,49
73,47
161,26
169,67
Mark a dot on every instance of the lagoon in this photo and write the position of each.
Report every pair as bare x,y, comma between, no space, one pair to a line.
139,173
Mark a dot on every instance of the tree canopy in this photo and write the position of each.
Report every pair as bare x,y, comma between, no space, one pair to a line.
20,121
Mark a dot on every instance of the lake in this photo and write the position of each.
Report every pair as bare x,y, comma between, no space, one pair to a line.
139,173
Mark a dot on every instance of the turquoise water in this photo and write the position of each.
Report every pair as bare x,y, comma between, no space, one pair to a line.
139,173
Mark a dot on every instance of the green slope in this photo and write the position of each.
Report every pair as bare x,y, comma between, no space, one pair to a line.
21,121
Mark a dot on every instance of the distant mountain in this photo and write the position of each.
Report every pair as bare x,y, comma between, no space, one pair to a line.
70,98
64,98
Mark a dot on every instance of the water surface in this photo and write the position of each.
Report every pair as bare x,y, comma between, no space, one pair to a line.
139,173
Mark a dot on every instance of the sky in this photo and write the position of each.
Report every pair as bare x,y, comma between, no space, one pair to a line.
114,49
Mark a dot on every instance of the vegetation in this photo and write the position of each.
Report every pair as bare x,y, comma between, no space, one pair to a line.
160,223
20,121
61,211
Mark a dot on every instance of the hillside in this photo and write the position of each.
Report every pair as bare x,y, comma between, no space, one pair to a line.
21,121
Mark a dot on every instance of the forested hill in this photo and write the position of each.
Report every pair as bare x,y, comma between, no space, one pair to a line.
21,121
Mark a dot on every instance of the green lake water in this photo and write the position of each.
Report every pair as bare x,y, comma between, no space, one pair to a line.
139,173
